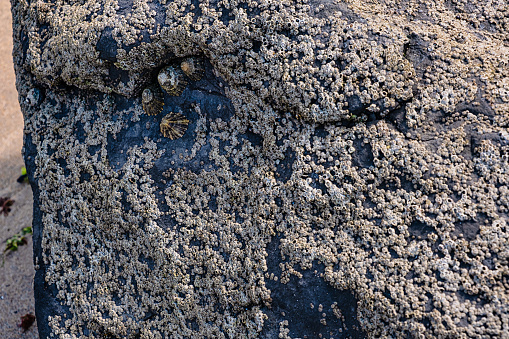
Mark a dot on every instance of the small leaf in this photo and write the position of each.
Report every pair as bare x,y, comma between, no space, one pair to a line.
26,321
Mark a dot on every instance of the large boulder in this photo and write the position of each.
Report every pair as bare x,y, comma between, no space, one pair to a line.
273,169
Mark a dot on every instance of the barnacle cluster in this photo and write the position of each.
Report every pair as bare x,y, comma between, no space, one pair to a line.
408,211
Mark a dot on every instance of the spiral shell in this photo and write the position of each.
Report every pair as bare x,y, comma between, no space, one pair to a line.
174,125
152,100
172,80
193,68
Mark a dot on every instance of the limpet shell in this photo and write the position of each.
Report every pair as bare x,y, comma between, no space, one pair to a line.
172,80
152,100
193,68
174,125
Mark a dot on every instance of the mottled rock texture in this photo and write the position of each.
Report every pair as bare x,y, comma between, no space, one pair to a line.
343,171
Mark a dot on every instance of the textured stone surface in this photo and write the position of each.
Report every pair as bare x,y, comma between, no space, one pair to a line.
343,172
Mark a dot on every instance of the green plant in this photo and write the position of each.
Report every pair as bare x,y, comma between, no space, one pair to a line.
16,240
24,176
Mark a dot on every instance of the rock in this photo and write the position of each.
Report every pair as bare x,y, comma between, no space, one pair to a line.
332,171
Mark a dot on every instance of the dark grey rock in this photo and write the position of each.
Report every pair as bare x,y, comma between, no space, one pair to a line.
343,174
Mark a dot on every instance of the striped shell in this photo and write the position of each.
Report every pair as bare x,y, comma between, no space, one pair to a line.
174,125
172,80
152,100
193,68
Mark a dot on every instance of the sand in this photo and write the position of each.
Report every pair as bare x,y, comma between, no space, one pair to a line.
17,273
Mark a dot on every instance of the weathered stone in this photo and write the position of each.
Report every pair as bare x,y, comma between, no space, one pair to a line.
342,173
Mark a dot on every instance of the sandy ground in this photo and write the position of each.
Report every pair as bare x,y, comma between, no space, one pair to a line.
16,274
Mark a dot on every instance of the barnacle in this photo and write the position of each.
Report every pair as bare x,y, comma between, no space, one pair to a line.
172,80
193,68
152,100
174,125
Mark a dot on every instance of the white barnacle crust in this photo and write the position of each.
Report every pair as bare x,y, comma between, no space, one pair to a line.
408,211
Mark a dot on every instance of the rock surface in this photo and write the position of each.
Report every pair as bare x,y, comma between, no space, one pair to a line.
342,172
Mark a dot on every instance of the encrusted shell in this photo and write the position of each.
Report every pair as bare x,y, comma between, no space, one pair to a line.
152,100
193,68
174,125
172,80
